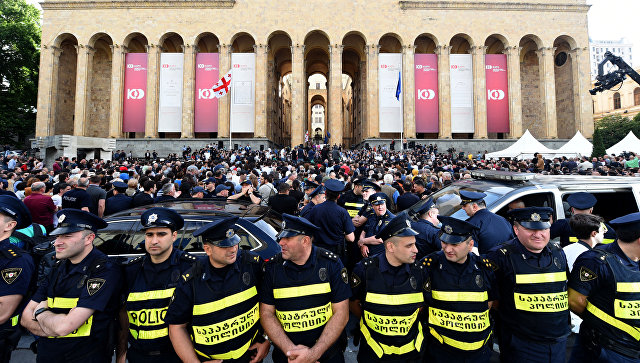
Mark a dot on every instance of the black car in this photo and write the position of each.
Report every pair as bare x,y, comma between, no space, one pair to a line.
123,237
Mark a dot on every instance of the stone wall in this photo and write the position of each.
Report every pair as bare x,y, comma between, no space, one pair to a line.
532,115
564,100
98,106
66,92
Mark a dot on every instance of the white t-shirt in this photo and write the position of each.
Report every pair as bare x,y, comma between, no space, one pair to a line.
572,252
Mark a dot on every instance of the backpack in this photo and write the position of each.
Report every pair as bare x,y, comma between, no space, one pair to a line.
41,249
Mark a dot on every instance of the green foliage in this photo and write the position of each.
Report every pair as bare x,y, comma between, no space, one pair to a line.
611,129
598,144
19,61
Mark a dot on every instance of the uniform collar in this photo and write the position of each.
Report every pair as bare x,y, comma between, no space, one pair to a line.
173,260
384,264
311,261
585,244
615,248
82,265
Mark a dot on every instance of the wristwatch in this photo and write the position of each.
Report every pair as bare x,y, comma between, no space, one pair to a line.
38,312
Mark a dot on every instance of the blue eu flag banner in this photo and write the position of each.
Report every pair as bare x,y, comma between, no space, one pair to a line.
399,86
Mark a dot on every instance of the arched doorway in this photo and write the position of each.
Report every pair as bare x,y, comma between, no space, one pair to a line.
563,70
498,96
316,62
279,88
354,67
427,106
65,96
99,87
242,108
390,68
207,57
462,93
169,91
135,43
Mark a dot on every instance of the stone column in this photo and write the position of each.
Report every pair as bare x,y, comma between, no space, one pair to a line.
479,91
83,80
363,101
548,90
188,81
298,83
444,91
223,102
47,86
582,100
408,93
372,125
261,90
117,92
335,124
515,91
151,117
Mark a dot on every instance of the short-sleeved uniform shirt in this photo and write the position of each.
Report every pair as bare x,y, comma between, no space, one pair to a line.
427,240
372,226
393,276
334,223
117,203
16,270
76,198
492,230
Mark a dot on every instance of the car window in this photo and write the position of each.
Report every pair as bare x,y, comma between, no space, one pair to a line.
448,200
116,238
540,199
611,204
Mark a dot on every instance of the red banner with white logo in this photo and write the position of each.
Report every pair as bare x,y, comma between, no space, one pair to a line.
497,93
206,103
134,107
426,93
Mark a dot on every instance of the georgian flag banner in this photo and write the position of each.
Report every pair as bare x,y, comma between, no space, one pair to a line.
222,87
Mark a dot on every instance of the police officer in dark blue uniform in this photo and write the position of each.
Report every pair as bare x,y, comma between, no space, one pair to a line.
214,312
532,280
149,283
352,200
120,201
428,239
333,221
304,299
317,196
387,297
460,289
492,229
581,203
368,243
604,289
16,270
78,303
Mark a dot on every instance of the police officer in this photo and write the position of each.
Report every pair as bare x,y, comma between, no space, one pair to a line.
78,303
317,196
492,229
532,282
16,269
368,189
149,283
308,186
459,290
352,200
214,313
581,203
387,296
304,299
334,222
426,224
120,201
604,291
368,243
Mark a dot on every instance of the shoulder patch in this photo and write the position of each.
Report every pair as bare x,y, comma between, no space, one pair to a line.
586,274
345,275
9,275
94,285
355,280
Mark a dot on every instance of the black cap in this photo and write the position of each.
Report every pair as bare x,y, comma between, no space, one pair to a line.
582,200
470,197
424,207
308,184
334,185
295,226
368,184
316,191
16,209
359,180
532,217
73,220
120,186
454,231
246,181
220,233
398,226
629,222
161,218
378,198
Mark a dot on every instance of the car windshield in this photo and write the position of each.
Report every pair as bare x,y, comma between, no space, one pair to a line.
448,199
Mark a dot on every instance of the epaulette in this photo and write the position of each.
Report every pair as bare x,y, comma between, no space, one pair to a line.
426,262
133,261
327,254
487,264
370,261
250,257
97,264
11,252
186,256
275,259
192,272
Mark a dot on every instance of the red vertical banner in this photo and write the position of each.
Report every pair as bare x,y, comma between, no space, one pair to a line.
134,105
206,104
497,93
426,93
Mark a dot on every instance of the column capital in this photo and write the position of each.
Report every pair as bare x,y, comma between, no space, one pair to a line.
90,50
578,50
78,47
191,48
337,47
297,48
514,50
224,48
478,49
264,48
372,49
408,48
443,49
546,51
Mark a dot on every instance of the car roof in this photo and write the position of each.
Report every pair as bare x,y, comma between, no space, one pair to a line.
516,179
221,207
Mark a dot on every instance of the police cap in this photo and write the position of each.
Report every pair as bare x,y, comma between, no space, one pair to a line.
454,230
359,180
424,207
378,198
72,220
368,184
629,222
582,200
14,208
334,185
398,226
470,197
316,191
295,226
120,186
220,233
532,217
309,184
161,218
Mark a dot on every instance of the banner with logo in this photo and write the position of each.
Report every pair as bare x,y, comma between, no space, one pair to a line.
497,92
426,97
389,68
170,92
134,104
206,104
461,76
243,83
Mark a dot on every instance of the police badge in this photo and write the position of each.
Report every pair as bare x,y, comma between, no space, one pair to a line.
413,282
152,218
479,281
61,218
535,217
246,278
229,233
322,274
448,229
10,275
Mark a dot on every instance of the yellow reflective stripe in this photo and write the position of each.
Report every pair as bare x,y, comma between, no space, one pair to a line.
147,317
390,325
573,239
234,354
210,307
62,302
460,295
607,241
634,332
83,331
459,321
297,291
380,348
628,286
303,320
458,344
401,299
151,295
626,309
351,204
14,320
149,334
352,212
227,329
541,278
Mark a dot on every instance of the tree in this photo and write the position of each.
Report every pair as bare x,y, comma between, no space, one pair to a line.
598,144
19,61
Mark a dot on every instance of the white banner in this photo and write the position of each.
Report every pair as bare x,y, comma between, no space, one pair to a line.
243,88
461,73
389,71
170,92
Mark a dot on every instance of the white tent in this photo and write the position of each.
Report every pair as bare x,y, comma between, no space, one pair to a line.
577,146
524,148
630,143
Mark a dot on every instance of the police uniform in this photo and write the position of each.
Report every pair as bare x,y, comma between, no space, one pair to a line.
427,240
562,229
366,210
350,201
391,298
307,208
220,305
534,309
303,294
333,221
376,223
118,202
148,290
492,229
458,296
610,330
16,270
93,283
